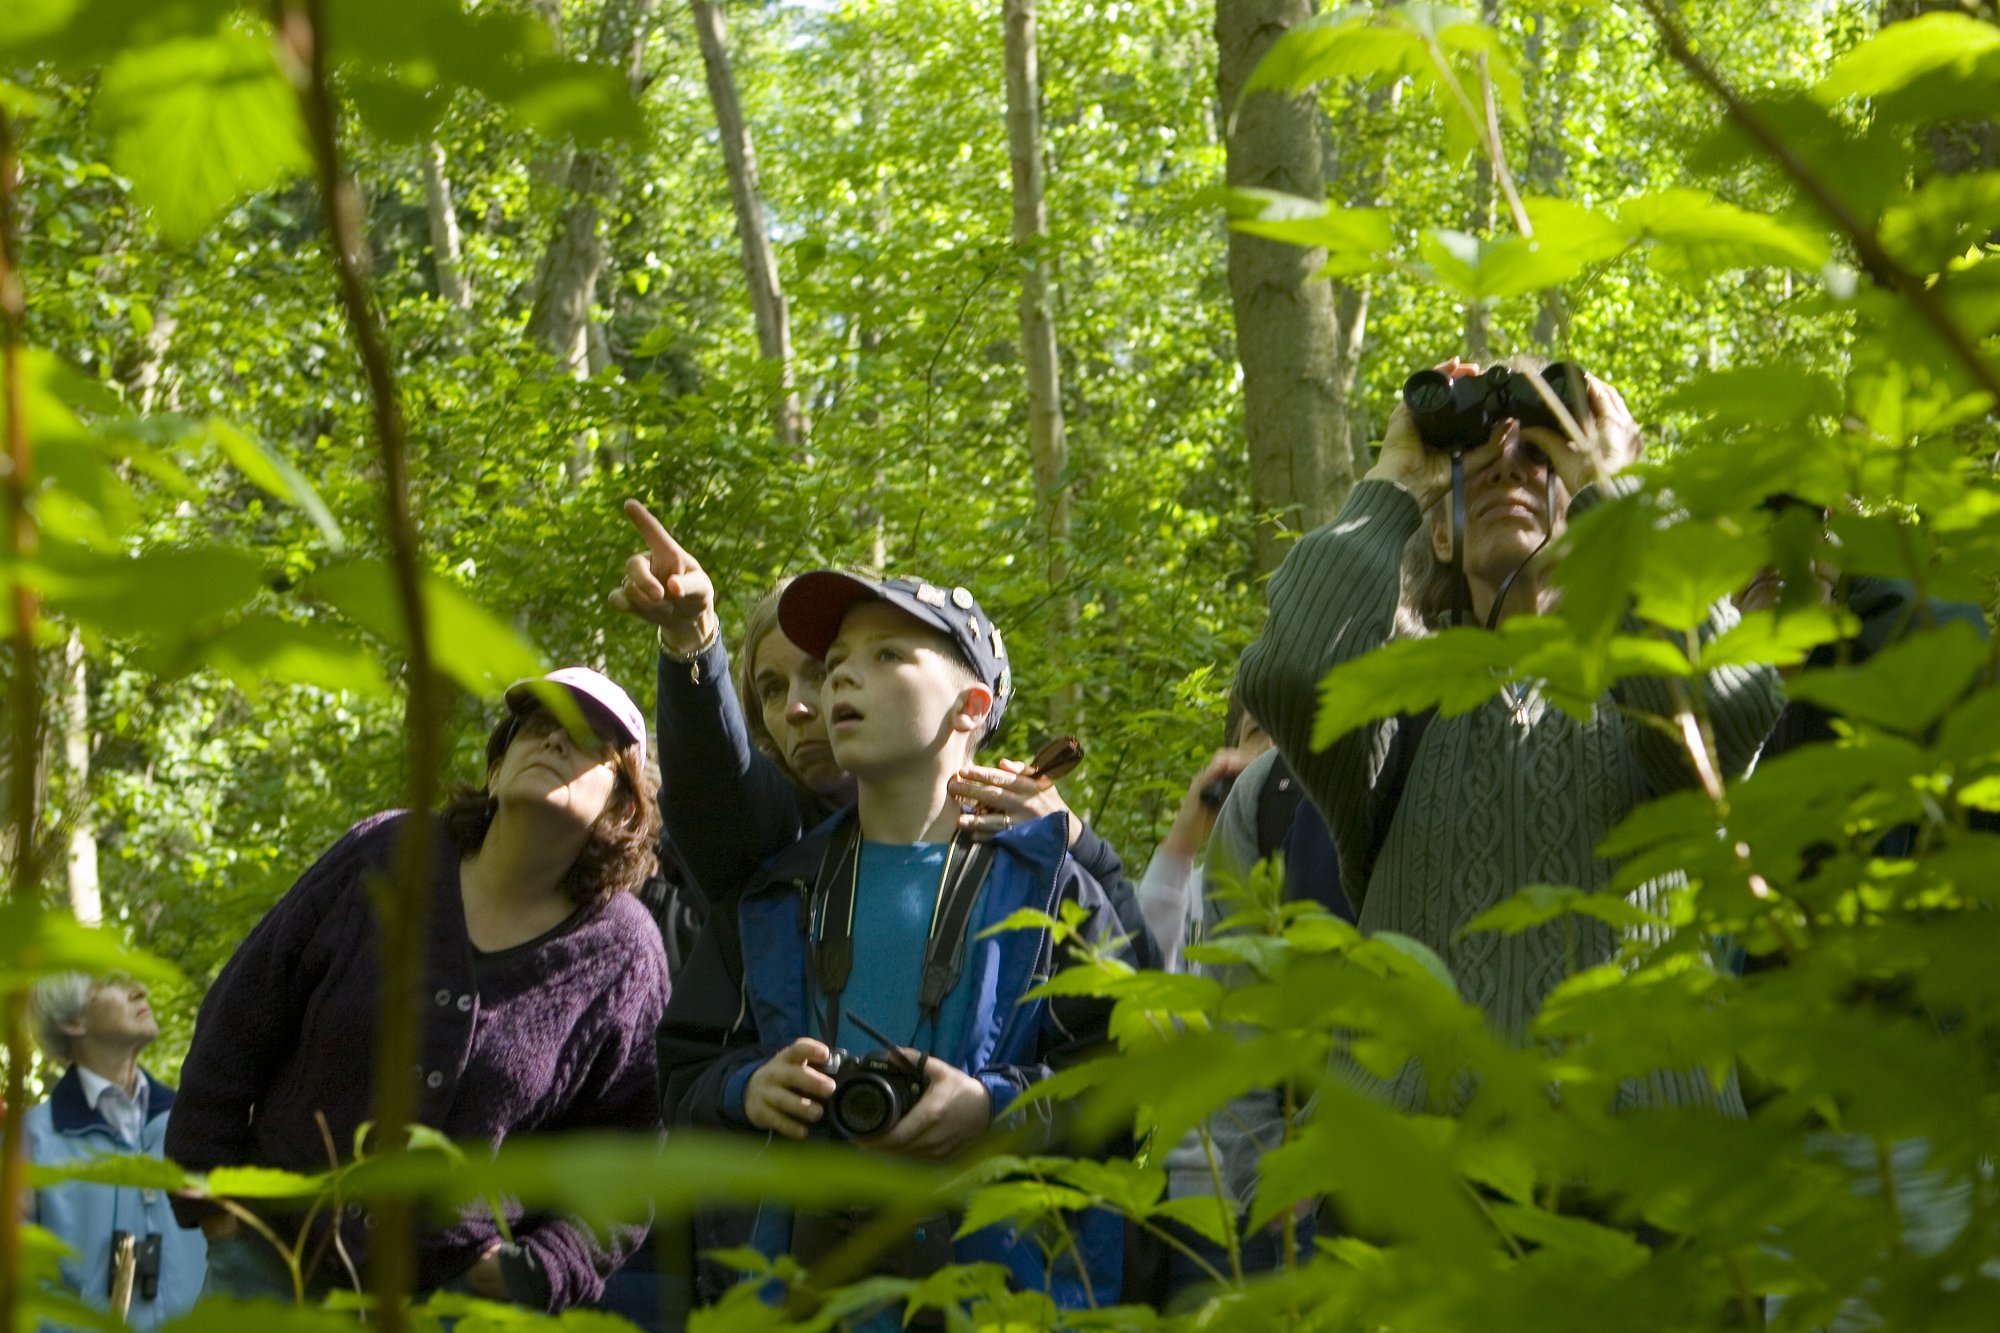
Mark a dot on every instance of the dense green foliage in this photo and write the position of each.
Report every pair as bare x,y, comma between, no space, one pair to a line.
208,501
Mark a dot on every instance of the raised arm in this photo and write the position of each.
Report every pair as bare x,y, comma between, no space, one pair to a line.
726,804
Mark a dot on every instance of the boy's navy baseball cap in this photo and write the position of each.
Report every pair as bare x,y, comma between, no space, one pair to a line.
812,607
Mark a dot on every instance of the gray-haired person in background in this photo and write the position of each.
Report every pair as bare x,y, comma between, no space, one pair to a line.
106,1104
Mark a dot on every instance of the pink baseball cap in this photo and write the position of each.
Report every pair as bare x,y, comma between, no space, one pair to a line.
608,708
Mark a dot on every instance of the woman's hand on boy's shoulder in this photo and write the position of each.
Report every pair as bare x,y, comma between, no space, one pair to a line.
954,1110
788,1092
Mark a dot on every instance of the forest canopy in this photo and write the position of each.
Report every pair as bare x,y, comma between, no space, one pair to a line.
337,331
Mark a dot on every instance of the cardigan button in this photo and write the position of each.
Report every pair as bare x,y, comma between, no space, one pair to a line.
465,1004
443,998
434,1079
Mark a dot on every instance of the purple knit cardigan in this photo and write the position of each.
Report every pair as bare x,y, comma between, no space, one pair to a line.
563,1038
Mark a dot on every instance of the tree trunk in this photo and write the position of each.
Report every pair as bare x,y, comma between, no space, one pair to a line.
1048,446
566,281
760,263
1547,94
86,897
446,252
1286,329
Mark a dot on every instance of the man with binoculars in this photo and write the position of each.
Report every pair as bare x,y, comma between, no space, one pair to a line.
1439,818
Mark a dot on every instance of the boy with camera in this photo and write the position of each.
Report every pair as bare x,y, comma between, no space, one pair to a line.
871,1006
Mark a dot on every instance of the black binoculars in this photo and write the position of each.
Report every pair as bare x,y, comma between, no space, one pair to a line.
1454,415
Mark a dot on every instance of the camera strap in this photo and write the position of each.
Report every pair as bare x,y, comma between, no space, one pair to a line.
1461,590
1548,531
965,864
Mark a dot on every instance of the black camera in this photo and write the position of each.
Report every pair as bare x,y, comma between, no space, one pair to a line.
1454,415
872,1092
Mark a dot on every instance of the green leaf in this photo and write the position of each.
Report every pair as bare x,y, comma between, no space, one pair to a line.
227,1314
199,122
1942,219
1906,686
1769,637
1712,237
274,474
609,1178
160,591
467,643
1342,44
1691,566
136,1170
1356,240
1538,904
1781,391
262,1182
1902,53
1416,952
1454,671
261,651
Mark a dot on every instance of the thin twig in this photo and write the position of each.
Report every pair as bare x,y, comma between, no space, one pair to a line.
1868,248
405,905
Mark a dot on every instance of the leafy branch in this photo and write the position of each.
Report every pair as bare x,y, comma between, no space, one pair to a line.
1868,247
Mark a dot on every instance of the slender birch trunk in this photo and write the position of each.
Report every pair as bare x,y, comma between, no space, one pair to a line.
1048,445
447,253
760,262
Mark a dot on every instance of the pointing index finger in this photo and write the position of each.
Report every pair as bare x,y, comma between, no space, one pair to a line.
669,557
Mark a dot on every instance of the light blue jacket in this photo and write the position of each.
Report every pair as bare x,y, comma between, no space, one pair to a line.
67,1128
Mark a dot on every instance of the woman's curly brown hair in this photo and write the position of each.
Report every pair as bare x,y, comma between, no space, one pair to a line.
622,851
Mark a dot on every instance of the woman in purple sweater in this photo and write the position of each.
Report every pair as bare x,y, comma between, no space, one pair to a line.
545,981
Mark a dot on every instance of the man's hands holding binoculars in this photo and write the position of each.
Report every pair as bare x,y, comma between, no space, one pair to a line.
1498,403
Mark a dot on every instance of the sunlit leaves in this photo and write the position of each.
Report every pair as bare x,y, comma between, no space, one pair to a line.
1906,52
198,122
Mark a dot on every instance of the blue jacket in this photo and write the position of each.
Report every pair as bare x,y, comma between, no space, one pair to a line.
728,806
66,1129
718,1033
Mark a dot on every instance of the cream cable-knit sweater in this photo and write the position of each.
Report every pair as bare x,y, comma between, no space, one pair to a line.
1508,795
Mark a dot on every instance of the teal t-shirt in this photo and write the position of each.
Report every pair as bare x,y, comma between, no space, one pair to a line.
895,896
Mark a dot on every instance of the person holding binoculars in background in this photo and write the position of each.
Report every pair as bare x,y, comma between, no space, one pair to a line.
1438,818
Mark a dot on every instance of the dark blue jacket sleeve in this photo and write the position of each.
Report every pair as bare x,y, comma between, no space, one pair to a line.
1103,864
728,806
707,1035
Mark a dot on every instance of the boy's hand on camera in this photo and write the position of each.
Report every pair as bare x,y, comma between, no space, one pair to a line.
667,587
784,1096
954,1110
1005,796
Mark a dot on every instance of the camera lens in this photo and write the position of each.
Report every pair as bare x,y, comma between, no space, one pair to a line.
864,1107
